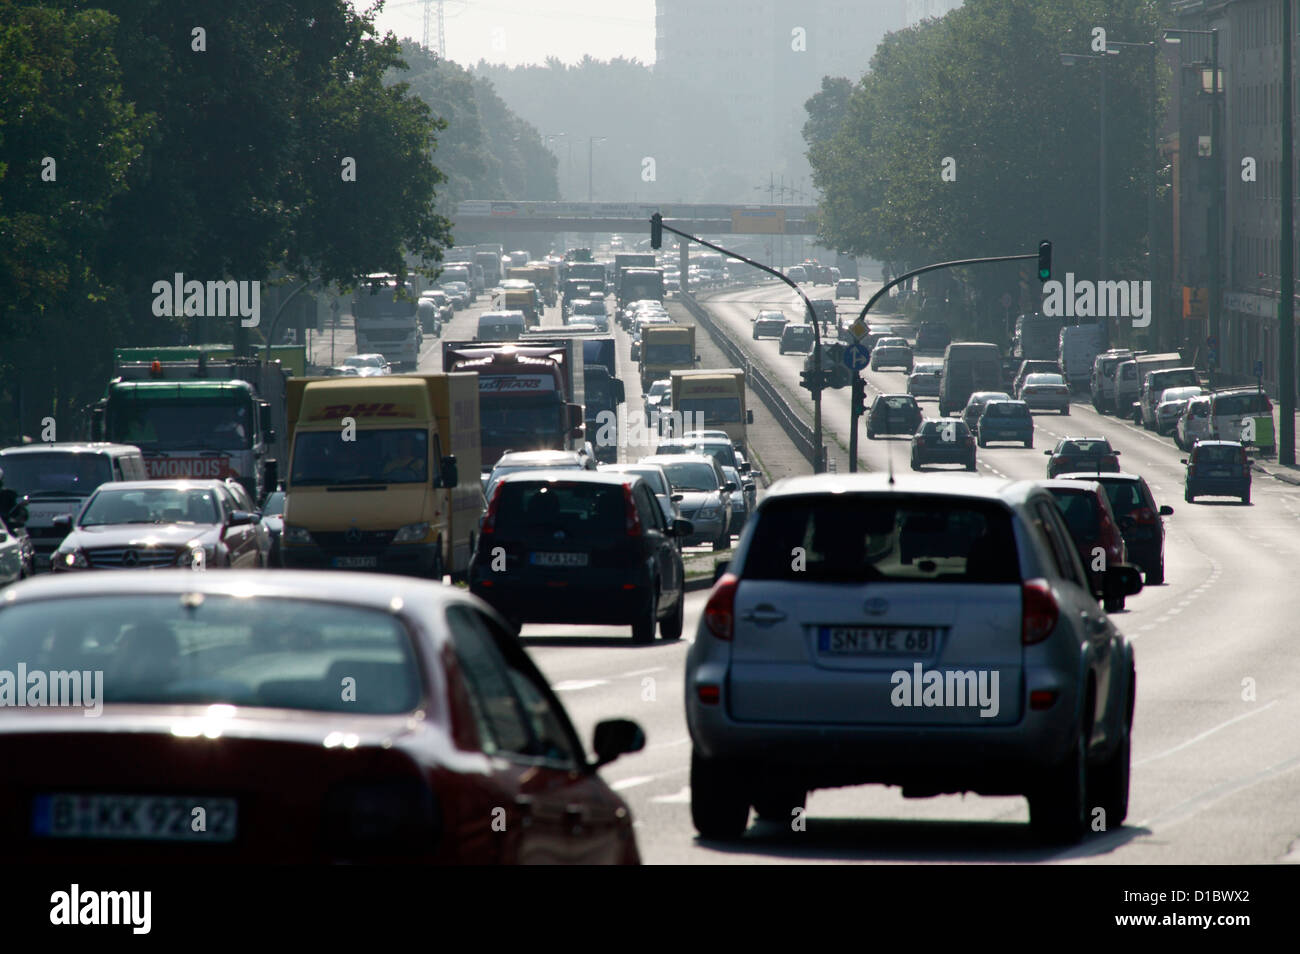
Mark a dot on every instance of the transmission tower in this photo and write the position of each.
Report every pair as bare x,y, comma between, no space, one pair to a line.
428,22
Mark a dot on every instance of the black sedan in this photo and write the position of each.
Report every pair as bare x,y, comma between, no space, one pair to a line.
943,441
893,414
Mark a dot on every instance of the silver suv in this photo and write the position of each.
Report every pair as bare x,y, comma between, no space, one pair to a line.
937,633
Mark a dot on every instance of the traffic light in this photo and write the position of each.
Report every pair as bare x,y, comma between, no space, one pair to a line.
810,379
1044,260
656,230
860,404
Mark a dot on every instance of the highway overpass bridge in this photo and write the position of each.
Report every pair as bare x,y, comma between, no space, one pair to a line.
487,215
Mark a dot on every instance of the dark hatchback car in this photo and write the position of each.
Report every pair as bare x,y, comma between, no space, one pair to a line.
1080,454
943,442
367,719
893,414
1141,521
1095,531
932,336
581,547
1217,469
1005,421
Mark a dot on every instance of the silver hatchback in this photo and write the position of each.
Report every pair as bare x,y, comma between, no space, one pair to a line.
937,633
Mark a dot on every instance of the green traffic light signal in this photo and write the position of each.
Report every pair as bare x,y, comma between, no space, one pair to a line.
656,230
1044,260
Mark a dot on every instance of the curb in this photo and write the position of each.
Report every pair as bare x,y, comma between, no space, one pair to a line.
694,584
1285,478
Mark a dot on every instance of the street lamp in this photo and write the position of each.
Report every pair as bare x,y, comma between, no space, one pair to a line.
569,172
1211,85
591,141
1070,59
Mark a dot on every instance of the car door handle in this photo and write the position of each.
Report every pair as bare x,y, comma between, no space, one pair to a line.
764,615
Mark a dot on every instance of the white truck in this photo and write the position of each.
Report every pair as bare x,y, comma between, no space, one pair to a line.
1079,347
387,321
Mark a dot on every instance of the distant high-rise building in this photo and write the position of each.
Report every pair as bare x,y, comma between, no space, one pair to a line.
918,10
760,60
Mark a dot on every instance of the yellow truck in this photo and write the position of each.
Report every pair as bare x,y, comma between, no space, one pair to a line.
712,399
665,349
515,294
383,474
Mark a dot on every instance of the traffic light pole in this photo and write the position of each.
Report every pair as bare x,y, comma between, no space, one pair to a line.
855,403
819,465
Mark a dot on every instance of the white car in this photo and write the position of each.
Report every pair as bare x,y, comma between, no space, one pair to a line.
940,633
1194,423
1170,406
368,365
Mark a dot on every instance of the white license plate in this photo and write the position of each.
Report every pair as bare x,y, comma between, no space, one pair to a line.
355,562
878,640
1219,473
148,817
558,559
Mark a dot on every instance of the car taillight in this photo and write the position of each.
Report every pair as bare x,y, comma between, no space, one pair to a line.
490,521
1110,460
1145,515
1039,613
719,612
633,518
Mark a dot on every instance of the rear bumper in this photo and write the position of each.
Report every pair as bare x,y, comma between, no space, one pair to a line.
1219,486
550,598
1007,434
1043,402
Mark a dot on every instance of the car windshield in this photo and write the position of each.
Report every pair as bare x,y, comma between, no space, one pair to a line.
111,507
364,361
861,538
159,419
651,476
659,388
216,649
274,505
373,457
55,473
690,476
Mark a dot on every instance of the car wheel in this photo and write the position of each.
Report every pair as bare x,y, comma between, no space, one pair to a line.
1065,411
1188,496
915,465
719,809
871,435
1110,783
437,572
778,804
643,630
971,465
755,335
1057,808
1030,443
1157,575
670,627
1245,498
981,441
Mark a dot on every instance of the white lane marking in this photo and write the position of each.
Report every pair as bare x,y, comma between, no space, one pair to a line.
1198,803
681,798
640,672
572,685
1206,734
636,780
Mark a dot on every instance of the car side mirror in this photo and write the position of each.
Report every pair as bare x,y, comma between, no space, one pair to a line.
682,528
1166,511
1182,460
749,417
1121,579
615,737
241,518
677,498
1117,453
1047,453
449,473
729,486
63,522
620,394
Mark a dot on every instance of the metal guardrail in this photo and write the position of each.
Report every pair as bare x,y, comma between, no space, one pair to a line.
795,427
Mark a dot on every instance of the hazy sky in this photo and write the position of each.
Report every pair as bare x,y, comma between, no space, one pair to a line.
528,31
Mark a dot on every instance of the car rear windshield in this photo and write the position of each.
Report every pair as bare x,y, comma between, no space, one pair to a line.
1085,448
583,511
1125,495
1217,454
213,649
1252,403
860,538
1080,509
959,427
899,403
1007,410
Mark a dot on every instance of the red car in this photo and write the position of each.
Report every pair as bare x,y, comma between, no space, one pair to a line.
1094,529
291,717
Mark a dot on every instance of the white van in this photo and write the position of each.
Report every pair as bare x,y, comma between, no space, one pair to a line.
500,326
55,479
1130,375
968,366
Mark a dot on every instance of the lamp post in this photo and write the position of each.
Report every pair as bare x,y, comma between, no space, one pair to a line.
1070,59
591,141
1212,86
